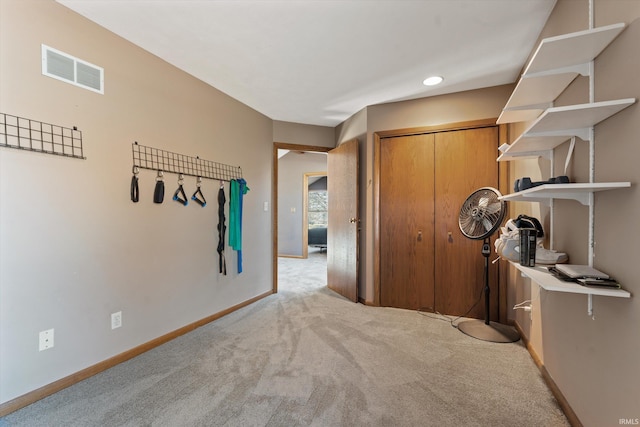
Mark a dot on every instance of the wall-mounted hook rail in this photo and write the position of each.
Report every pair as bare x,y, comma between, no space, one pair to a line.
32,135
166,161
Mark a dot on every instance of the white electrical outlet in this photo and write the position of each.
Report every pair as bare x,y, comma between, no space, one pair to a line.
116,320
46,339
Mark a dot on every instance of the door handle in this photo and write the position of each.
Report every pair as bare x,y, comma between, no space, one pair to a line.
419,235
353,220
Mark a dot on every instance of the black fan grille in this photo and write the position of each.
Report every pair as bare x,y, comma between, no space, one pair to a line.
482,213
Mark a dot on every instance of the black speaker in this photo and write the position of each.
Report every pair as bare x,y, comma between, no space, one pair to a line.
528,247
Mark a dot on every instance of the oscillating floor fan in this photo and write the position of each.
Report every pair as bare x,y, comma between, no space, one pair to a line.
480,216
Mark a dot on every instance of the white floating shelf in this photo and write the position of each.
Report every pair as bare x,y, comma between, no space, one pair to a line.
555,64
533,92
577,191
565,120
518,115
526,144
557,124
547,281
572,49
505,157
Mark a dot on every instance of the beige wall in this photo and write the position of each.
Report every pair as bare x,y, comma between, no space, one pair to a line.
296,133
355,127
73,247
594,361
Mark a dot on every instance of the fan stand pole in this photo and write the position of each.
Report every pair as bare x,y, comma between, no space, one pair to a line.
486,251
487,330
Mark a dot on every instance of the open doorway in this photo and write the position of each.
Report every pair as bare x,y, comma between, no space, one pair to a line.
296,171
316,213
290,218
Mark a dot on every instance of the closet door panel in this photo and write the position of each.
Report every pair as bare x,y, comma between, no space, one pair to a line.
406,222
464,162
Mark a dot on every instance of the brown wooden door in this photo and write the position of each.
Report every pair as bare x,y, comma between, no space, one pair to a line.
465,160
344,223
425,261
406,222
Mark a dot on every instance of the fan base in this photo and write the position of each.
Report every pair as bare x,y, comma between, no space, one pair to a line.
493,332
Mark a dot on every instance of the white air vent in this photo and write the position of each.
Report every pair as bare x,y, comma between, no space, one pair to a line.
65,67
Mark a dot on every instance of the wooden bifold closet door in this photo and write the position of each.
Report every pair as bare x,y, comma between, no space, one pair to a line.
425,261
406,222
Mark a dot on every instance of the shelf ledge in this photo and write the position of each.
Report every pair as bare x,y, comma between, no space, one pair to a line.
554,65
582,192
547,281
558,124
505,157
572,49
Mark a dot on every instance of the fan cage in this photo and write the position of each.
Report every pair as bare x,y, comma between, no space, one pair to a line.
481,213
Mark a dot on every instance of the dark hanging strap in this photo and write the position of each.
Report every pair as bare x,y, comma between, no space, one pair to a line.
179,195
135,190
198,196
158,192
221,231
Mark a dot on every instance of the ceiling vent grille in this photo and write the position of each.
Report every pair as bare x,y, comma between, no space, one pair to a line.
65,67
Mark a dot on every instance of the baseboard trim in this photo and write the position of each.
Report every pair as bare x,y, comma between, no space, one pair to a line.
553,387
49,389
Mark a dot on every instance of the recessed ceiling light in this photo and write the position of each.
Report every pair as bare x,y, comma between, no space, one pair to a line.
432,81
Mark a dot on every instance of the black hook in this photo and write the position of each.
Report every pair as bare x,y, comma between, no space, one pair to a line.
180,192
197,195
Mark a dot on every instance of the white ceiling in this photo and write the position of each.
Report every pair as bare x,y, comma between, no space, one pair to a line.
320,61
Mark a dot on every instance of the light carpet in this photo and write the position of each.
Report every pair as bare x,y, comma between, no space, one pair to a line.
308,357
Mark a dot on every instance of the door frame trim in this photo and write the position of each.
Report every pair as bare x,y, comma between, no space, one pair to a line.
503,187
274,199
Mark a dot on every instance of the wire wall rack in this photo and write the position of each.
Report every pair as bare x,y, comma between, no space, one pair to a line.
33,135
166,161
